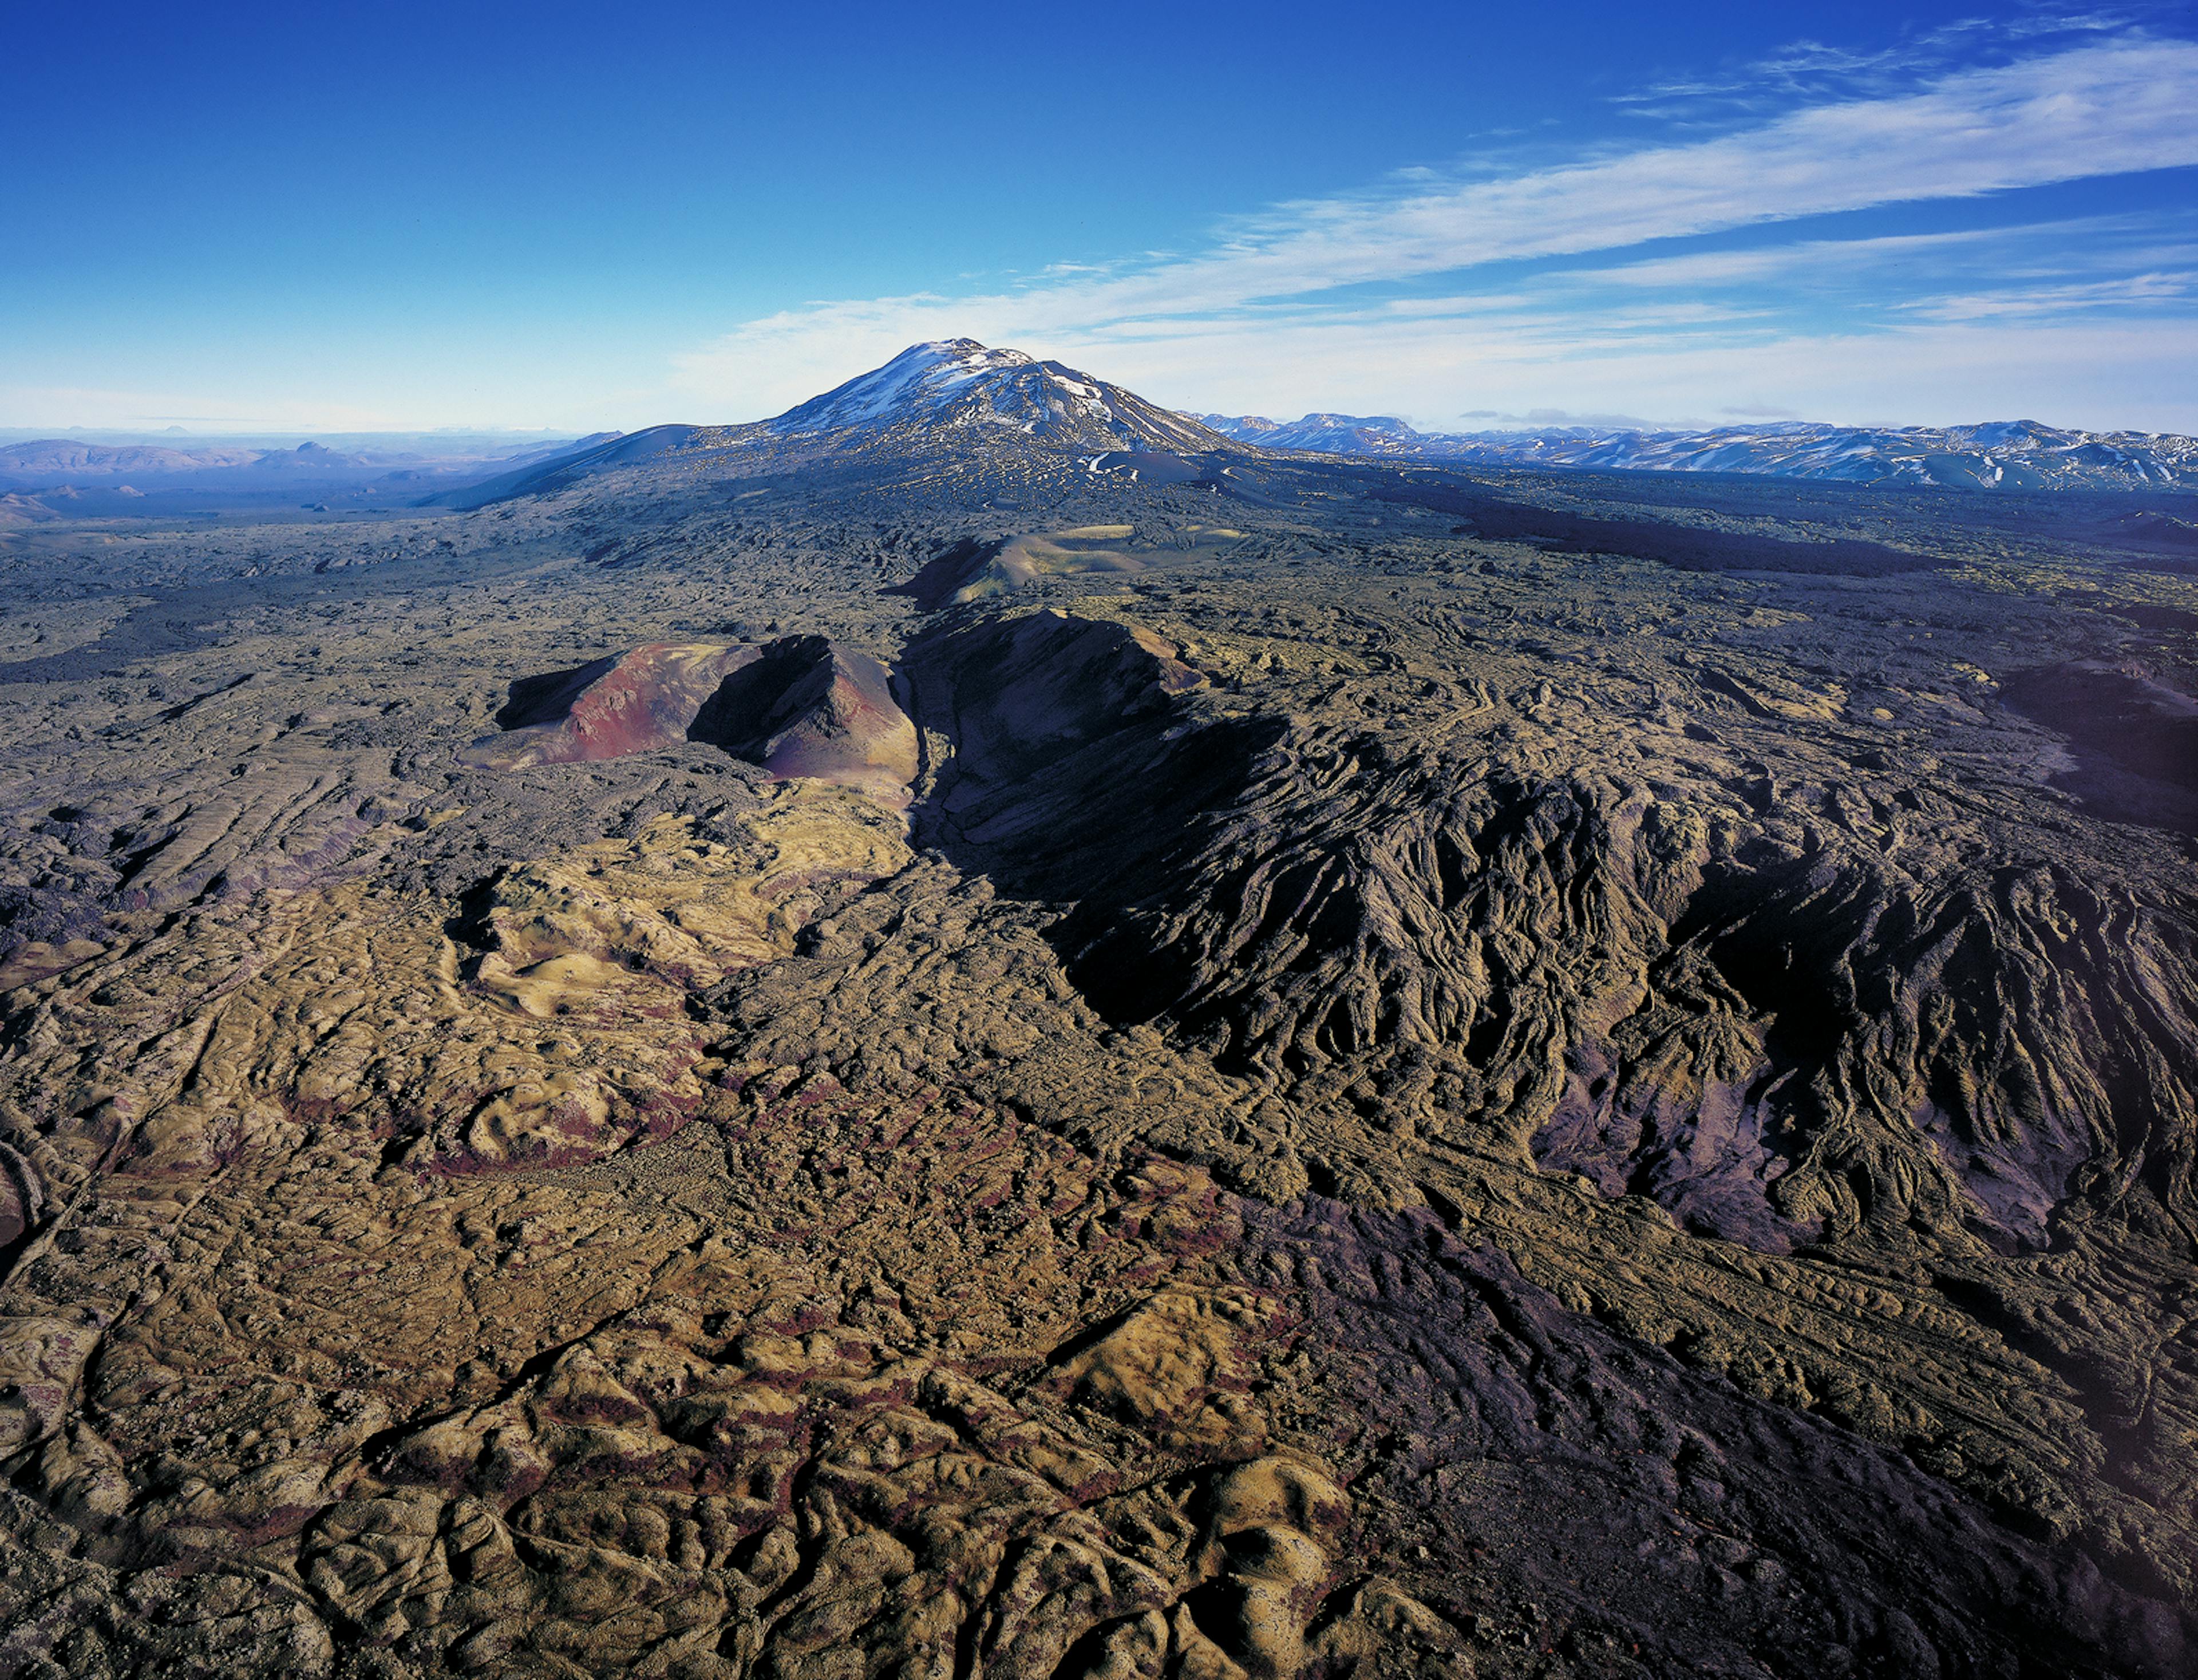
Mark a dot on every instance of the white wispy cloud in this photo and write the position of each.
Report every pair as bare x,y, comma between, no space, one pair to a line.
1757,265
1814,71
1288,274
2108,260
2134,291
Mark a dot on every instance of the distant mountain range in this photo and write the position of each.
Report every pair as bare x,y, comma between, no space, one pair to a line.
2000,455
959,395
71,468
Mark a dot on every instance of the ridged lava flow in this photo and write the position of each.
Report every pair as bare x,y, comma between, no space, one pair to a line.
1302,1071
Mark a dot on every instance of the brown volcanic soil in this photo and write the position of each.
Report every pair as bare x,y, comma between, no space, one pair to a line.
1519,1077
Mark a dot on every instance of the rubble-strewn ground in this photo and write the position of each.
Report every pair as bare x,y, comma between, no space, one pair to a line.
1439,1075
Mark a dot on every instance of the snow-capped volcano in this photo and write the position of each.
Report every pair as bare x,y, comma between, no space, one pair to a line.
953,384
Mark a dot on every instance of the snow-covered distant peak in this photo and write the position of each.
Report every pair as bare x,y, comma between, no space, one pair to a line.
950,384
1334,433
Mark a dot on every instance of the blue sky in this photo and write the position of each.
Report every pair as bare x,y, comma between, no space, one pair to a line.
348,216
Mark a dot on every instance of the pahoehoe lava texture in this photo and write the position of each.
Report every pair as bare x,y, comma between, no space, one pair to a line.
953,1055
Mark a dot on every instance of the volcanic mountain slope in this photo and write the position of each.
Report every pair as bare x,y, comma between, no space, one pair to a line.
1560,1078
2018,455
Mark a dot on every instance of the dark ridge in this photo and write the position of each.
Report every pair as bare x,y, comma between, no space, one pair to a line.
2145,615
953,569
1683,548
1078,763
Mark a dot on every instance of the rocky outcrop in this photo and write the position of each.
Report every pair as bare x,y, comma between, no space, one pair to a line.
634,702
1063,742
806,708
798,706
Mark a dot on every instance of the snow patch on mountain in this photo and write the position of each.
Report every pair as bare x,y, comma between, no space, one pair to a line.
924,376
